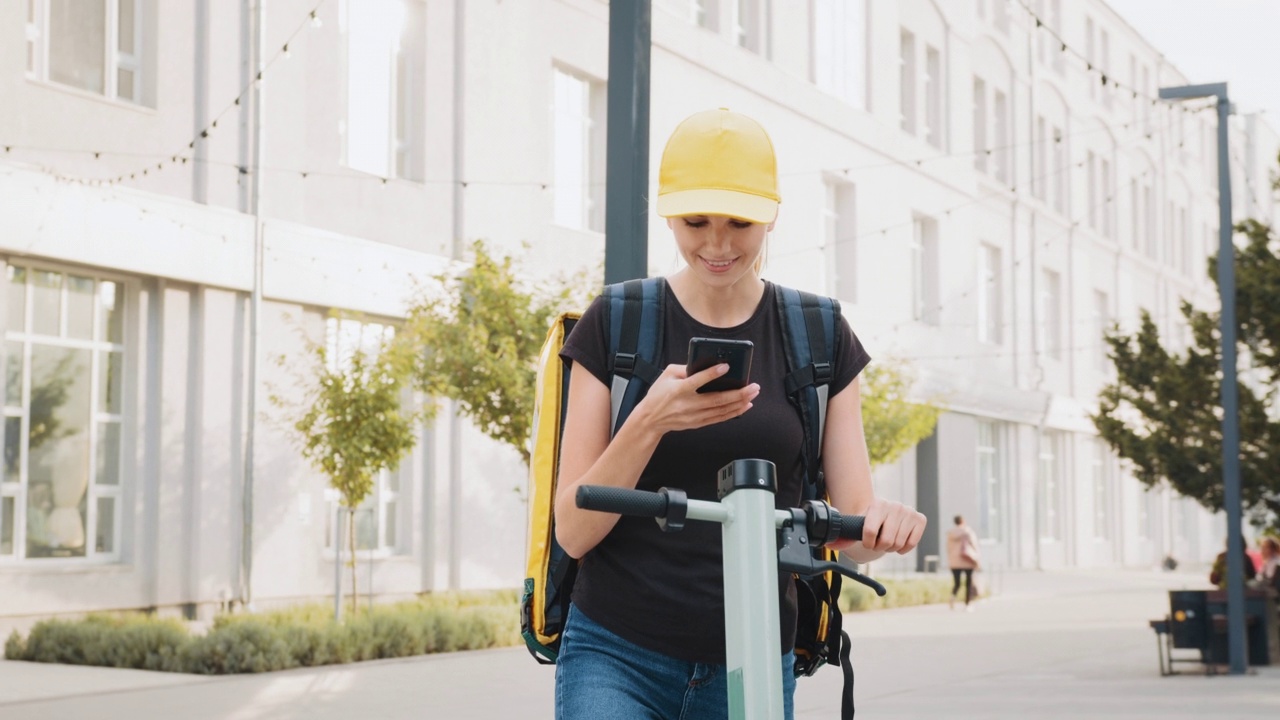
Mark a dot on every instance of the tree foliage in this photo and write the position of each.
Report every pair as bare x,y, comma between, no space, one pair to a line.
892,423
476,336
351,423
1163,412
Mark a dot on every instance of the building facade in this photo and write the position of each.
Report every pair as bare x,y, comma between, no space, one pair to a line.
985,185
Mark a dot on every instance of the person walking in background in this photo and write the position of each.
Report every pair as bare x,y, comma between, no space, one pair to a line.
963,556
1270,573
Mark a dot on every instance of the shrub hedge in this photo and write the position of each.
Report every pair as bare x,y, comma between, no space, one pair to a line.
304,636
907,592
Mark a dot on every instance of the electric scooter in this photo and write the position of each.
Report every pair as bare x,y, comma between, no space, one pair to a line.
759,542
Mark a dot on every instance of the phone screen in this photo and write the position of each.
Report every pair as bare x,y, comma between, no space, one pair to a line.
706,352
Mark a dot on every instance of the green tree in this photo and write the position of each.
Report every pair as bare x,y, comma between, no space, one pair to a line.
476,336
892,423
351,422
1163,412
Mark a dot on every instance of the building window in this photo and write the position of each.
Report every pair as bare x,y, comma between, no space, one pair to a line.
578,161
1091,57
1055,23
1148,222
1100,466
907,81
980,149
990,482
1105,66
377,519
1146,106
1102,323
1133,85
1148,513
1135,215
1091,188
933,96
924,270
1050,476
990,307
1047,46
1051,314
839,49
703,13
1059,175
60,496
1000,15
1184,239
1000,118
748,26
706,13
31,31
92,45
841,240
386,110
1108,211
1039,181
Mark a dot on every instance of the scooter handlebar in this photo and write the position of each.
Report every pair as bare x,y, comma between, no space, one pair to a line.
850,526
623,501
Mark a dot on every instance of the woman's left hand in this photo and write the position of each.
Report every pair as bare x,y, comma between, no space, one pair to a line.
888,527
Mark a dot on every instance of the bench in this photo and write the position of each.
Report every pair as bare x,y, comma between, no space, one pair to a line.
1197,621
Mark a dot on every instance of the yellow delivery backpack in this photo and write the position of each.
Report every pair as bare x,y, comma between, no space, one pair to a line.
634,328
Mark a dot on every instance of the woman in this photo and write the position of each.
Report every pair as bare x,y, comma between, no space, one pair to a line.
1270,572
963,557
645,633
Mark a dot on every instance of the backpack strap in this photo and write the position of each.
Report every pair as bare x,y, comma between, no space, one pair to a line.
809,324
635,343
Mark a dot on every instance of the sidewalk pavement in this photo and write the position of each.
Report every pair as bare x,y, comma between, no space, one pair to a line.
1052,645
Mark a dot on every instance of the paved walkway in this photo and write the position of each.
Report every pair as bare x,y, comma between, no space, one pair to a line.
1051,645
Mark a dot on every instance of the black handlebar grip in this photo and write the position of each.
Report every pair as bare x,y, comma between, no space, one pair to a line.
623,501
850,526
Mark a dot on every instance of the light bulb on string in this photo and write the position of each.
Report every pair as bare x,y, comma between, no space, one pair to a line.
315,20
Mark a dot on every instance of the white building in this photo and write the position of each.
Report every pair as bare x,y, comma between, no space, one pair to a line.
956,173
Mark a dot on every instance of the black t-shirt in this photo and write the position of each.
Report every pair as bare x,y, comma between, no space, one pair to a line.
665,591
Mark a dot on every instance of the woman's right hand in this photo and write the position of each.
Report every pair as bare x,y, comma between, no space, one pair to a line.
674,403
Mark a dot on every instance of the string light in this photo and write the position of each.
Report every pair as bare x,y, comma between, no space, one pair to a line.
312,20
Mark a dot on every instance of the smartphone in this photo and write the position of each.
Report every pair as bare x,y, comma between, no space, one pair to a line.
706,352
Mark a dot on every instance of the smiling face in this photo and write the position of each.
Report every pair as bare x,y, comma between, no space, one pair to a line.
719,250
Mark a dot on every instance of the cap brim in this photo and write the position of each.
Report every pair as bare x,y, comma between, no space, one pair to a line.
732,203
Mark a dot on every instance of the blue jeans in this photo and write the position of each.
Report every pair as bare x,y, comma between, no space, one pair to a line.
600,676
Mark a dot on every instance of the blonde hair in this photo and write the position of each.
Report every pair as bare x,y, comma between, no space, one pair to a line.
758,266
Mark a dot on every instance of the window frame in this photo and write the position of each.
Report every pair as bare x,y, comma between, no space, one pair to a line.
591,124
1100,474
990,520
907,96
836,48
990,295
368,332
405,113
840,235
100,349
1049,478
38,34
925,293
1051,313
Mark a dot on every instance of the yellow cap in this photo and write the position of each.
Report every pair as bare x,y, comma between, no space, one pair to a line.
719,162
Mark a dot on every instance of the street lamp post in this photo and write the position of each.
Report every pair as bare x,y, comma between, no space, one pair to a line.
1230,400
626,226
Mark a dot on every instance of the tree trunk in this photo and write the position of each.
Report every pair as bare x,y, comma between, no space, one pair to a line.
351,531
